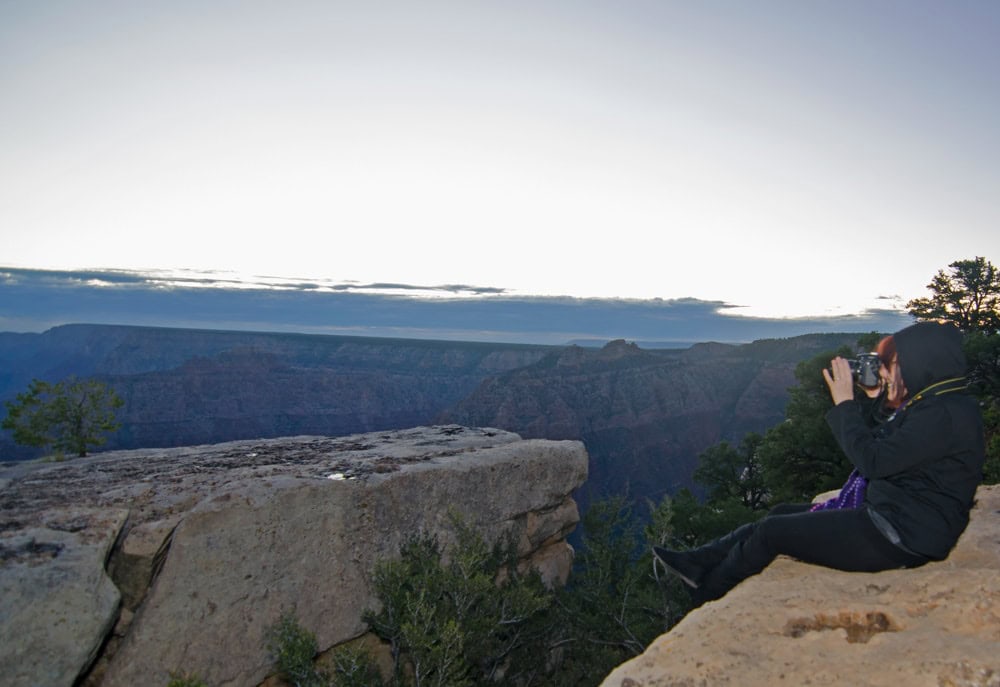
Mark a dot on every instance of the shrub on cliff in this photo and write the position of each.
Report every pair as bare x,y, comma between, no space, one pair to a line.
293,649
464,618
177,680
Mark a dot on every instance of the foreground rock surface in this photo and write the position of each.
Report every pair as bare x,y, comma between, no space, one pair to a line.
213,543
796,624
56,601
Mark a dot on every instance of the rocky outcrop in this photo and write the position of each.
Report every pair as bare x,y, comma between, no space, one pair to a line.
796,624
207,546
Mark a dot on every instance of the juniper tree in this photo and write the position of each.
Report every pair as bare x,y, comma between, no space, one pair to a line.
968,295
71,415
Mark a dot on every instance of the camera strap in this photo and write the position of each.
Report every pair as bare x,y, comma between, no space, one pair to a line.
945,386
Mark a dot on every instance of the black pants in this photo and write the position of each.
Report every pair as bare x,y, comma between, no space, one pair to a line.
841,539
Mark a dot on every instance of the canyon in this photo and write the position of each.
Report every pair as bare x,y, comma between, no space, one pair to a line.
643,415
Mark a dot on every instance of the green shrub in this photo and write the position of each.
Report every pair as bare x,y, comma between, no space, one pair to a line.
465,616
293,649
471,620
177,680
354,667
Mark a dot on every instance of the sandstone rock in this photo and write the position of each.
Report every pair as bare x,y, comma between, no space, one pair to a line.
797,624
221,540
56,602
553,563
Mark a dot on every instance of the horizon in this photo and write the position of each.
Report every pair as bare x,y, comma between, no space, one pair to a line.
781,160
37,300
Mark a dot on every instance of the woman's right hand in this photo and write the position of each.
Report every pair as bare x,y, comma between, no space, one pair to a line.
839,380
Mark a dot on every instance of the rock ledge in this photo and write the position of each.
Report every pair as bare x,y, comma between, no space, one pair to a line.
135,564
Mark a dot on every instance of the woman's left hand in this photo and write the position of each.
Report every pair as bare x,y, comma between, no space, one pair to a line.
840,380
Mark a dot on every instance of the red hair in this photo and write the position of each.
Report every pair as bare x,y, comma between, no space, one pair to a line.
886,350
887,356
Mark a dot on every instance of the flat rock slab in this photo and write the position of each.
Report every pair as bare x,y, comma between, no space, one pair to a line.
156,484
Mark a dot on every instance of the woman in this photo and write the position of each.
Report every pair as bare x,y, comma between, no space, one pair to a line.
916,475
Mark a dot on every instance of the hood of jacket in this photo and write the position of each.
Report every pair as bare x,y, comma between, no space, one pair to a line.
929,352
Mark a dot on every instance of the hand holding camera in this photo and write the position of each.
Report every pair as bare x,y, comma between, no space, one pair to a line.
844,374
864,370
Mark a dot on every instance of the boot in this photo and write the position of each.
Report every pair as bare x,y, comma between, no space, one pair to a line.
680,563
711,554
695,565
745,558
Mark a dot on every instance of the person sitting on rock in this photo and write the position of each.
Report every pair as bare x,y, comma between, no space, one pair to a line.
915,478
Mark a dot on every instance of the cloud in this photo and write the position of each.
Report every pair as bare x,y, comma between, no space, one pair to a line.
36,300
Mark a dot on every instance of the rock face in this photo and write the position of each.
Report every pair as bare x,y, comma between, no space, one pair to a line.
212,544
795,624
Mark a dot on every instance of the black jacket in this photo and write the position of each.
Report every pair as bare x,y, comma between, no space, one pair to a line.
925,463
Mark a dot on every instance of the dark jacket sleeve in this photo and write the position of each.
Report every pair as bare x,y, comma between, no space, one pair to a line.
923,435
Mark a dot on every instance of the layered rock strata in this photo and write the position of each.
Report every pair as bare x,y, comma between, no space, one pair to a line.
797,624
123,568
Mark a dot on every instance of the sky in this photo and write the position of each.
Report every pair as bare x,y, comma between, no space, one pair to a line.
782,158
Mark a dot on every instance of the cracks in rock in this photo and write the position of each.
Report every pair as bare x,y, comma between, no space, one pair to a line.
160,557
130,573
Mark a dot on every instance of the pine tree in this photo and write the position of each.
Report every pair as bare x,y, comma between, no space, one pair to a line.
968,295
71,415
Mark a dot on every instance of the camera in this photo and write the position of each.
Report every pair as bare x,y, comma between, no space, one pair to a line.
864,369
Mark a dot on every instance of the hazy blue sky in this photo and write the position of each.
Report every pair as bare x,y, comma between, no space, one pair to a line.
794,157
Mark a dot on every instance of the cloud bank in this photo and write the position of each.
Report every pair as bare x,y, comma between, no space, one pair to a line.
36,300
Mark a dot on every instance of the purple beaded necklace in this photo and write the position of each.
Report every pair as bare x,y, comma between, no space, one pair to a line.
851,495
